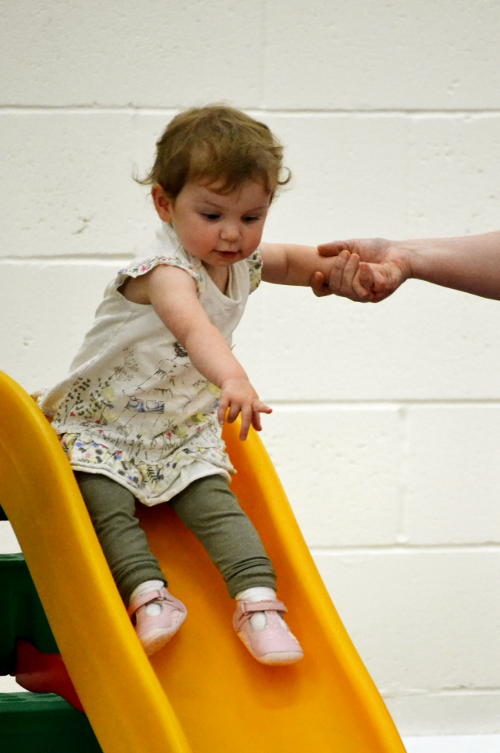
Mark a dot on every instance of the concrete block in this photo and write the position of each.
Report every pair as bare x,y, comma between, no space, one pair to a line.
145,54
338,465
424,343
453,174
423,621
449,713
452,477
46,308
364,55
68,184
365,175
80,196
350,177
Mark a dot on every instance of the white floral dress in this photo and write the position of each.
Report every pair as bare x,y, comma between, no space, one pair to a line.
133,407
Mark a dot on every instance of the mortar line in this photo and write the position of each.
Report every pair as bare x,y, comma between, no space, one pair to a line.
286,111
408,549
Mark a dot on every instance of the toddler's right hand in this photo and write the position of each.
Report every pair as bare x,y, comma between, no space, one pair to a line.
238,396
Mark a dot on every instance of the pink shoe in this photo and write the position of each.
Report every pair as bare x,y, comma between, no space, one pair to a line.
154,630
274,643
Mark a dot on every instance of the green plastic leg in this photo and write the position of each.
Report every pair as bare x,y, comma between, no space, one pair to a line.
32,723
22,612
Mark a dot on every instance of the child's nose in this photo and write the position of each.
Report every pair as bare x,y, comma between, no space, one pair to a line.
229,231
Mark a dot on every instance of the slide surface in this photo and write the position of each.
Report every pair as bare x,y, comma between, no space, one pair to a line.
202,693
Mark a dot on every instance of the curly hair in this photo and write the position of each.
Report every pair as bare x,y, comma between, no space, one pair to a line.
219,146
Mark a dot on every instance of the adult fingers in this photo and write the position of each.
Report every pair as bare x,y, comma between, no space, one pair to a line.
333,248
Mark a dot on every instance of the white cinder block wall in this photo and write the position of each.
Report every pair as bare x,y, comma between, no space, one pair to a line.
387,418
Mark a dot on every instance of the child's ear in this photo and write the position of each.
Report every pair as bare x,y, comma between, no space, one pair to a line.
163,202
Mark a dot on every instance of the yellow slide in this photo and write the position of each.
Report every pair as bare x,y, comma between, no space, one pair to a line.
202,693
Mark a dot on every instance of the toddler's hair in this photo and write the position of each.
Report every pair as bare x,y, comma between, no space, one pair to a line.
218,145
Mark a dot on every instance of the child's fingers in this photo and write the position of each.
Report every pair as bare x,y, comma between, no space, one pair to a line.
351,285
256,422
250,416
318,284
335,282
222,410
258,409
246,421
263,408
227,411
233,412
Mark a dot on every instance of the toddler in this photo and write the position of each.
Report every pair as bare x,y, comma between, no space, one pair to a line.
140,414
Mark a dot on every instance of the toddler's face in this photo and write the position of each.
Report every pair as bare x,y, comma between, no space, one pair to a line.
220,229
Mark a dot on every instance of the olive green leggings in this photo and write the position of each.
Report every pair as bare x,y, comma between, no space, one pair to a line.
207,506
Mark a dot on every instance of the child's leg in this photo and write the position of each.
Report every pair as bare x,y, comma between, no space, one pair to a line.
140,581
210,509
124,543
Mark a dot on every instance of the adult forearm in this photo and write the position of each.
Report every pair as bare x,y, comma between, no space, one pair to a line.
469,263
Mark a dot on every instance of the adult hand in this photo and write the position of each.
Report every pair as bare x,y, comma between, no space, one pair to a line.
366,270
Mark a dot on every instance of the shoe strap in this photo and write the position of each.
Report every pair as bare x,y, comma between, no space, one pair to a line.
245,610
148,597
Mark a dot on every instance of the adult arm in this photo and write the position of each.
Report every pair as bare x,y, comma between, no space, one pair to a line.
372,269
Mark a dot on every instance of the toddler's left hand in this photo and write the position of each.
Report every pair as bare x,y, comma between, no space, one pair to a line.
238,396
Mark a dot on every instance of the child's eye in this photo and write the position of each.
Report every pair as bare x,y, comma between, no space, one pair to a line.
251,218
212,216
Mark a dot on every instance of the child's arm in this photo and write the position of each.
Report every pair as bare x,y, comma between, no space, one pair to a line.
172,293
291,264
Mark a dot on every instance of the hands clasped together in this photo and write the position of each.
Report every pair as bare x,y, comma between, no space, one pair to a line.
365,270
